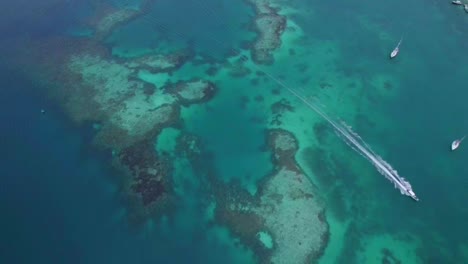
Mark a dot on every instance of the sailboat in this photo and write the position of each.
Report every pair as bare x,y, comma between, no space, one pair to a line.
396,49
456,143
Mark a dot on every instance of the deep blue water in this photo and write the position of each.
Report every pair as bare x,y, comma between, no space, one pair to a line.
58,201
59,204
176,25
55,200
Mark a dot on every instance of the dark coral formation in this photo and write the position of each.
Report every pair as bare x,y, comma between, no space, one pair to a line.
244,101
284,146
388,85
189,146
238,69
388,257
276,91
255,81
194,91
292,52
107,17
157,63
321,132
149,89
212,71
279,108
149,172
329,170
324,85
114,136
269,26
302,67
282,106
260,73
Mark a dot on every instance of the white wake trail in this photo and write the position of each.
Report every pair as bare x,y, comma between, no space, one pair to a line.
345,132
358,144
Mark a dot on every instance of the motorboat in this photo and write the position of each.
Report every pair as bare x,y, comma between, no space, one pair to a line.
457,2
413,195
456,143
465,6
396,50
394,53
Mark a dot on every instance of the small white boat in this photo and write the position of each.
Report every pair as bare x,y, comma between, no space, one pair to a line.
396,50
456,143
465,6
413,195
457,2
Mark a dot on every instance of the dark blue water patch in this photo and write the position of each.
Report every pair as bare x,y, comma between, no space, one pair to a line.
125,3
208,27
40,18
51,195
58,204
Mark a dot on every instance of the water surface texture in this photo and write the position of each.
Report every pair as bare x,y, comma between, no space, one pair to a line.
147,131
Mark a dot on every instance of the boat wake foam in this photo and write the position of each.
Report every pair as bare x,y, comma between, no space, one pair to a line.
356,142
345,132
353,140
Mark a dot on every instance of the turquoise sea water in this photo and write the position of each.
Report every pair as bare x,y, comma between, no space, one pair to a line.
57,194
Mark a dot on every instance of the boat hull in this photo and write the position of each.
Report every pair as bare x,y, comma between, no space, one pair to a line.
455,145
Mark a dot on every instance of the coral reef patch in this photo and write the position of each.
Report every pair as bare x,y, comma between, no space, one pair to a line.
149,172
157,63
285,220
92,86
107,17
192,91
269,26
278,109
238,69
